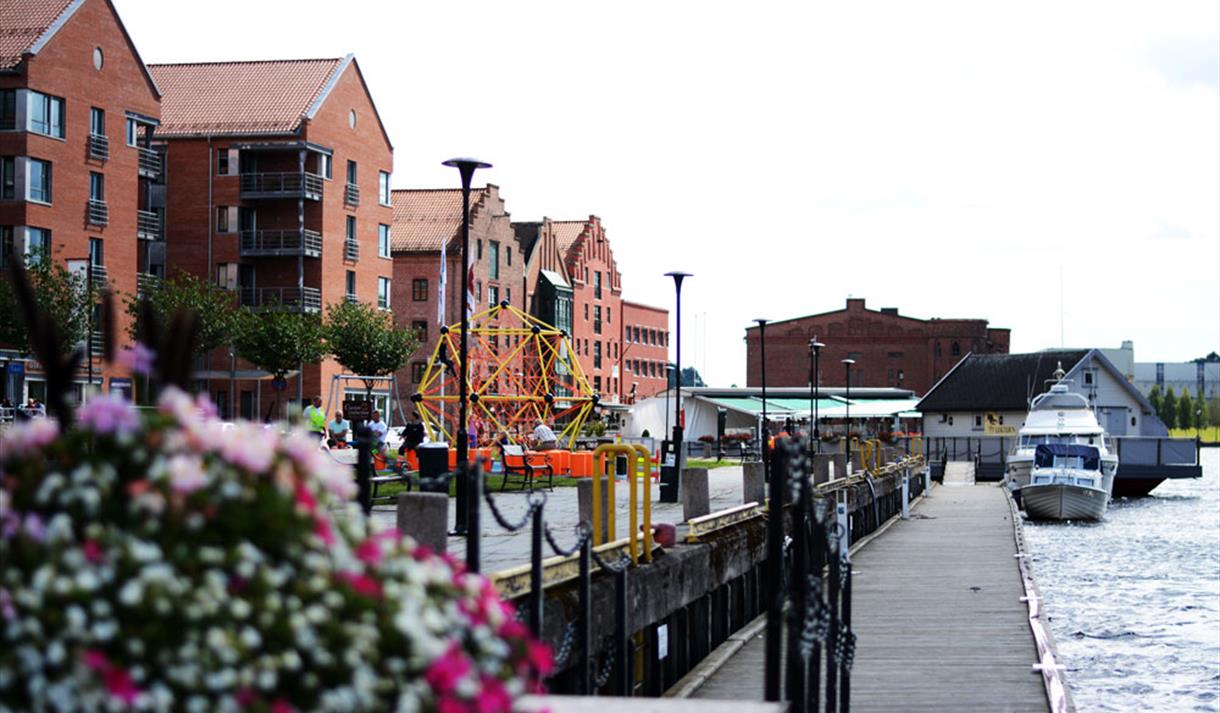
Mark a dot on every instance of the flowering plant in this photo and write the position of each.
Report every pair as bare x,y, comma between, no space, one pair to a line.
160,561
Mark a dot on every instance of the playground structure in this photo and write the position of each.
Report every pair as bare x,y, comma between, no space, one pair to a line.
522,370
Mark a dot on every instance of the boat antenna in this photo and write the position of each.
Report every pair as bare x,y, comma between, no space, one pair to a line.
1061,340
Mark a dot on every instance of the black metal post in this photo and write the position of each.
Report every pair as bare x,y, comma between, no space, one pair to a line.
815,394
622,638
535,598
847,395
817,566
845,627
89,338
466,168
364,466
774,594
796,618
678,276
764,432
832,634
584,674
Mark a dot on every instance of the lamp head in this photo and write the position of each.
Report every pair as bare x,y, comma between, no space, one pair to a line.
849,362
815,345
678,276
467,167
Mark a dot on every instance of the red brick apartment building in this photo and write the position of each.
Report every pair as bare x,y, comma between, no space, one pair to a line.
596,301
77,108
278,188
423,220
890,349
645,350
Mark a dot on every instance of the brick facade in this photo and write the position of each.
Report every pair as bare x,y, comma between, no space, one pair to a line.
597,304
889,349
645,340
63,64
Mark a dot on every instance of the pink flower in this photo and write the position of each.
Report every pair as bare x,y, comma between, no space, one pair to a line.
92,551
282,706
321,528
492,698
186,474
206,407
445,672
34,527
245,697
362,584
305,499
6,606
369,552
119,684
137,358
249,446
514,629
95,660
109,414
450,704
29,437
539,655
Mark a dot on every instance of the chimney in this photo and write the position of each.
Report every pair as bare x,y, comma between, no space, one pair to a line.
891,311
855,304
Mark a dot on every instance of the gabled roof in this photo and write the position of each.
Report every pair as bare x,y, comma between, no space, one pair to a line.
243,98
567,232
23,23
997,382
424,217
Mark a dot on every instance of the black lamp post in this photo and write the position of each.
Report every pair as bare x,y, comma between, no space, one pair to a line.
765,431
847,363
677,433
470,504
815,393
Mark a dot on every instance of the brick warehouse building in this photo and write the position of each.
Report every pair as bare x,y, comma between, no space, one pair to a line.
645,350
77,106
278,188
890,349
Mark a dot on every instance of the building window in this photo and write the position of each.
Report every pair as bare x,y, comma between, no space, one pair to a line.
478,291
383,240
419,289
351,174
46,115
6,246
597,355
420,327
8,109
508,255
955,350
493,295
133,132
508,294
222,220
40,180
894,355
222,162
597,284
96,254
1088,378
383,188
8,178
493,258
97,121
597,384
97,187
597,319
417,372
608,320
586,311
478,246
39,244
351,286
383,292
326,166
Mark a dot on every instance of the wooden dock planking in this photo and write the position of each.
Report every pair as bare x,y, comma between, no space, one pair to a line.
927,640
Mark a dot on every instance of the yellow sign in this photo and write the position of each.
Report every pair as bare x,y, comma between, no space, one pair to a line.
993,426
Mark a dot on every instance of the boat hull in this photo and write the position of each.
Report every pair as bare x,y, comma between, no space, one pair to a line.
1060,501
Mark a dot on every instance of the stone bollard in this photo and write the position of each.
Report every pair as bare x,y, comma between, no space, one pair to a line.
753,483
584,503
424,517
840,465
696,501
821,468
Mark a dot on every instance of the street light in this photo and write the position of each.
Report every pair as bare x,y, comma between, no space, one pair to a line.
847,363
763,434
677,434
815,393
466,167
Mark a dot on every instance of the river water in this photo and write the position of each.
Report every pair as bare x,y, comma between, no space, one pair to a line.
1134,601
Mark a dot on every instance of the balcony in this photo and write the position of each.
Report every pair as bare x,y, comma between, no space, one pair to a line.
96,213
292,299
352,298
273,243
292,184
351,250
150,163
99,147
148,225
351,194
147,282
99,276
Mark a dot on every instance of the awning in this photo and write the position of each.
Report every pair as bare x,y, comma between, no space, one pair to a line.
874,408
555,279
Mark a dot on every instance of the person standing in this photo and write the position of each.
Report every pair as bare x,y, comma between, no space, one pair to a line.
377,432
315,418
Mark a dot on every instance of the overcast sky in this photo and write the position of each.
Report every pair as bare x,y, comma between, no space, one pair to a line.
948,159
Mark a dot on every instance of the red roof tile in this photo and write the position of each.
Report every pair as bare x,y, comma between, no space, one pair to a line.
424,217
567,232
239,98
22,22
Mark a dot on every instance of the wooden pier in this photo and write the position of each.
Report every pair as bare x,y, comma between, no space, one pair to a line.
938,606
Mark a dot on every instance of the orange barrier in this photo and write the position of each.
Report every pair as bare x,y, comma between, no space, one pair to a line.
581,463
560,461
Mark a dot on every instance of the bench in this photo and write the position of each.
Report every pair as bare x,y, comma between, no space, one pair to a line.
514,462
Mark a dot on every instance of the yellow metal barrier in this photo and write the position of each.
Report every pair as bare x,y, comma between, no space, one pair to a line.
637,458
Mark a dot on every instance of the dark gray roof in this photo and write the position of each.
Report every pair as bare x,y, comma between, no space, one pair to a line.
997,382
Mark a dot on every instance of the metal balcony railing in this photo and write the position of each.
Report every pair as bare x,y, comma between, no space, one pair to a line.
271,243
295,299
150,163
148,225
351,298
293,184
351,194
99,276
99,147
351,250
146,282
96,212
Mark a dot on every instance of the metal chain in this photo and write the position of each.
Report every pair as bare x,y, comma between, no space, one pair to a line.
534,504
583,531
565,647
623,562
599,679
437,481
845,648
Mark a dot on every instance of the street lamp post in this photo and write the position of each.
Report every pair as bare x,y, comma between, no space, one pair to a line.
765,431
815,393
847,364
469,506
678,276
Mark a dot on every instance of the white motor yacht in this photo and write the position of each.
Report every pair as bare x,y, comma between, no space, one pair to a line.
1066,483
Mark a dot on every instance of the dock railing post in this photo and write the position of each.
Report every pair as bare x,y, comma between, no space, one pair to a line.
906,494
774,591
842,520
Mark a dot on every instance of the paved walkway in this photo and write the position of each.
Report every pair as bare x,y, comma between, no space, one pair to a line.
501,550
936,606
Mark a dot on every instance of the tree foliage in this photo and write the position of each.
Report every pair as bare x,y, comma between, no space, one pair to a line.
213,306
1186,410
60,296
278,341
1154,399
365,341
1169,408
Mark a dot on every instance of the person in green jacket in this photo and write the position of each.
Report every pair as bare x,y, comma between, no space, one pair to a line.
315,418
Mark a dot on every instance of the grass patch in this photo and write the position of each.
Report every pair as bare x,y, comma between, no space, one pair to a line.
709,463
491,482
1208,434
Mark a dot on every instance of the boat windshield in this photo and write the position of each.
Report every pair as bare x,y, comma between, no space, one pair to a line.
1057,438
1066,456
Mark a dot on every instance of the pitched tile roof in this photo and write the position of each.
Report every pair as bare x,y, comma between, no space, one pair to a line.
22,22
423,217
240,98
997,382
567,232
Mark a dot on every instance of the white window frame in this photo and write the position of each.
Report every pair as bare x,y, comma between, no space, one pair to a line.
384,240
50,101
383,293
383,187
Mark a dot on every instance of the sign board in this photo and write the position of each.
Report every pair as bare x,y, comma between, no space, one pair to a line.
358,410
121,387
16,367
992,426
279,384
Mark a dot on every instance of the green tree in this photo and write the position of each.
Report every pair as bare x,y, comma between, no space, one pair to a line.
1203,419
691,377
365,341
1154,398
60,296
212,305
1169,408
1186,410
278,341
